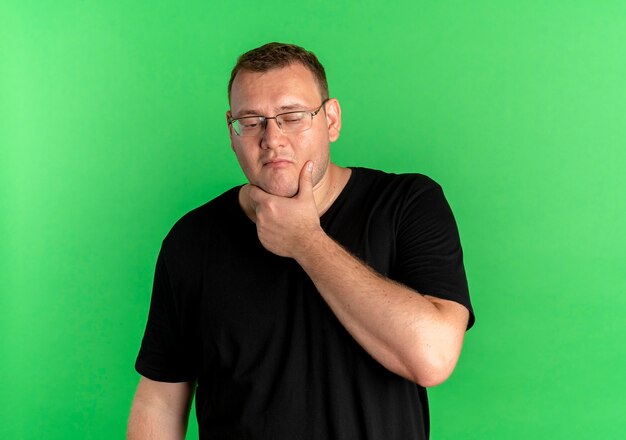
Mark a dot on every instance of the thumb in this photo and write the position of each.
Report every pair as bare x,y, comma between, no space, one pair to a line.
306,179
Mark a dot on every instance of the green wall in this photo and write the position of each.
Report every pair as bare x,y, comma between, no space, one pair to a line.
112,126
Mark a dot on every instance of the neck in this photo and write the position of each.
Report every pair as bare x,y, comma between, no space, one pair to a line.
329,188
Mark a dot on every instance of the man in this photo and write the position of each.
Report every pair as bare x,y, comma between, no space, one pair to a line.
314,302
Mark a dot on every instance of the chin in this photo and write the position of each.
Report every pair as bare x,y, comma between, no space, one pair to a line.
280,190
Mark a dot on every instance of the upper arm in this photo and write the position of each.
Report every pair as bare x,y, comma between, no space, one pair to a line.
169,350
176,397
452,319
455,315
160,410
430,256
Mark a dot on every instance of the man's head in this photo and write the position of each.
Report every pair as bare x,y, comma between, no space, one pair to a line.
273,80
276,55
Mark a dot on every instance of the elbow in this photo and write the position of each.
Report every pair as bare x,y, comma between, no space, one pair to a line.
430,380
434,358
430,371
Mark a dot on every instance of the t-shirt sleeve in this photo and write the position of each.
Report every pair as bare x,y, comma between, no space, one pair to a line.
429,253
167,348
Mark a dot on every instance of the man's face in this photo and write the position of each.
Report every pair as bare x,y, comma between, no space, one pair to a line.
273,160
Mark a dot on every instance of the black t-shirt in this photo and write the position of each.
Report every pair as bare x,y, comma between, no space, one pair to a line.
271,359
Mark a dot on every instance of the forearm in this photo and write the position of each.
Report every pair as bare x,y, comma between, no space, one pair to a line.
403,330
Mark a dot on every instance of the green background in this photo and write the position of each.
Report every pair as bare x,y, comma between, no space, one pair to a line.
112,126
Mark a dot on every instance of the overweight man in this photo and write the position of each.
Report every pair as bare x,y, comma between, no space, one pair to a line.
314,302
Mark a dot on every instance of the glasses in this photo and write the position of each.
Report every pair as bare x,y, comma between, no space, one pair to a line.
290,122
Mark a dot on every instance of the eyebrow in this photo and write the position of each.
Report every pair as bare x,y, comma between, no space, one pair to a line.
283,108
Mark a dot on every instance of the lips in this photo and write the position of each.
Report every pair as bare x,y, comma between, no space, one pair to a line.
277,161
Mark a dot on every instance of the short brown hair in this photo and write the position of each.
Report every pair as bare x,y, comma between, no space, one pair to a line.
277,55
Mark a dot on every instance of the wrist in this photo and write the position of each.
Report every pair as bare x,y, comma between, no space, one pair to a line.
311,247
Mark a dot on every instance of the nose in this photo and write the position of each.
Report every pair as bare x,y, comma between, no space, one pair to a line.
272,136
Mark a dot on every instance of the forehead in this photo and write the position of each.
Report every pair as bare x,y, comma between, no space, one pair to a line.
274,89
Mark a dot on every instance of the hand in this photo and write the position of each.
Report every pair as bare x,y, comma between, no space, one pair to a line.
285,224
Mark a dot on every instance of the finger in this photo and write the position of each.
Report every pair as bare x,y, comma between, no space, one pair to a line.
256,196
305,185
256,193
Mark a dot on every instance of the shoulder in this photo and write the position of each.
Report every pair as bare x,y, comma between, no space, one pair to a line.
362,174
400,185
408,198
196,226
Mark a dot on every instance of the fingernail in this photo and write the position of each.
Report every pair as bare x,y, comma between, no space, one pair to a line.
309,167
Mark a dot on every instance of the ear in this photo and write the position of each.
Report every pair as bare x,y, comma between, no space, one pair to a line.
230,130
333,119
